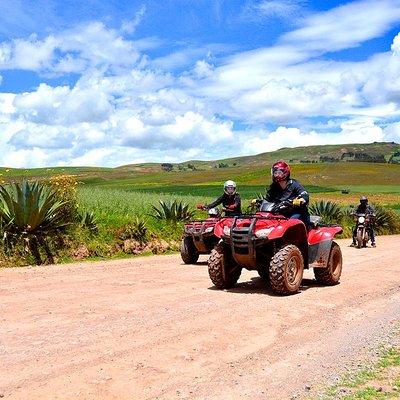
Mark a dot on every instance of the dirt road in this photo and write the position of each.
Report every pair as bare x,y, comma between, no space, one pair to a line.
151,328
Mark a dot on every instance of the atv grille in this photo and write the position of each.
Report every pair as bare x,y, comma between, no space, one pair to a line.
240,236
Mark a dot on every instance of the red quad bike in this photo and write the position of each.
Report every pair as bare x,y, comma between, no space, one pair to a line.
277,247
199,236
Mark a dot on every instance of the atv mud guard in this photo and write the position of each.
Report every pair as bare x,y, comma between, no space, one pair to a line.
320,243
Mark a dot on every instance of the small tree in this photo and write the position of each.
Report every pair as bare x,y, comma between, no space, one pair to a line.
167,167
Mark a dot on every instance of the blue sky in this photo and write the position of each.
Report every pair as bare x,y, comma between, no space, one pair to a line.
116,82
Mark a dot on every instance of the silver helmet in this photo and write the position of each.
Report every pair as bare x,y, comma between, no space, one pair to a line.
230,187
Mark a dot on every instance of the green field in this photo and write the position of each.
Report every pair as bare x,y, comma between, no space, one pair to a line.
117,196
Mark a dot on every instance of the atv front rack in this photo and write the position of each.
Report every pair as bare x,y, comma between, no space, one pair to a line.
242,239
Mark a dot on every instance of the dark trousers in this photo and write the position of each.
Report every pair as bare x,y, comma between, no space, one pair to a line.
302,217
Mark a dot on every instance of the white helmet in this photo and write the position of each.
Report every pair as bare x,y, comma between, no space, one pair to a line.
230,187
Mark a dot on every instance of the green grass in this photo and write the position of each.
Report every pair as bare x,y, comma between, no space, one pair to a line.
365,383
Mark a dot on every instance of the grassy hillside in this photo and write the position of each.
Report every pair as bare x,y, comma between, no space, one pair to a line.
252,173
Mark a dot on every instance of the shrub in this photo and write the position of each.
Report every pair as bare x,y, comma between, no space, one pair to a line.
173,211
89,222
31,215
137,230
329,211
386,221
65,187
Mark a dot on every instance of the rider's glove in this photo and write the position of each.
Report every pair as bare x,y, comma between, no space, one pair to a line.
298,202
253,202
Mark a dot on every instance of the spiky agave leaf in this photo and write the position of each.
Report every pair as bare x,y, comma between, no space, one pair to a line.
172,211
386,220
30,213
329,211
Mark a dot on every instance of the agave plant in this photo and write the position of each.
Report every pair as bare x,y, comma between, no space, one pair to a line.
329,211
173,211
136,230
386,220
31,213
88,221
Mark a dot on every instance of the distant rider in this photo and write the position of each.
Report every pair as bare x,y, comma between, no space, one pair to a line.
364,208
230,200
283,189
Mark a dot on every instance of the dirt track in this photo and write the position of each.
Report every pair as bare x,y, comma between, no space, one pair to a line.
150,328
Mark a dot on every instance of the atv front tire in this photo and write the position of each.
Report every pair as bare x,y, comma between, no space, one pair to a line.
189,253
224,272
331,274
286,270
359,238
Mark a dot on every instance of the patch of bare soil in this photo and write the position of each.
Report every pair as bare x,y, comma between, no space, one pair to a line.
153,328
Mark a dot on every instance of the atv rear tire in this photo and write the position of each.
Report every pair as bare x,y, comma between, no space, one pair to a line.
224,272
286,270
331,275
189,253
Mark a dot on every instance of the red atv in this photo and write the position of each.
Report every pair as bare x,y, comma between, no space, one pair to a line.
277,247
199,236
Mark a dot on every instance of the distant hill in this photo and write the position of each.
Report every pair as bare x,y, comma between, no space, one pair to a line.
377,152
373,167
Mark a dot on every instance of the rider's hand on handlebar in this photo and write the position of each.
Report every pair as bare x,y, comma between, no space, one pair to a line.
299,201
201,207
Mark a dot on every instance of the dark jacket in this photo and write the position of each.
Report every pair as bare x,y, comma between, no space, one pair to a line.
367,209
293,190
228,200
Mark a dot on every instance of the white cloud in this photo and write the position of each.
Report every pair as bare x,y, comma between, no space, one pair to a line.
273,8
61,105
345,26
75,50
130,26
361,130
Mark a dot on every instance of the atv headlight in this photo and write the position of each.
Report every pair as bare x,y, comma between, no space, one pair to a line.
209,229
227,230
361,220
263,233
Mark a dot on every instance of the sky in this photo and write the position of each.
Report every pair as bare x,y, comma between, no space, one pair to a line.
108,83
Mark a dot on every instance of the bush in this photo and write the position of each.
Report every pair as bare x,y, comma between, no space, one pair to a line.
386,221
89,222
31,217
173,211
329,211
137,230
65,187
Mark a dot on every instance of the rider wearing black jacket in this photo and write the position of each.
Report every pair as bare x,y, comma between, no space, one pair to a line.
364,208
283,189
230,200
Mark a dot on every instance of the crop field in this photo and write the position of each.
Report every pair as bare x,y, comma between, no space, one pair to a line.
118,196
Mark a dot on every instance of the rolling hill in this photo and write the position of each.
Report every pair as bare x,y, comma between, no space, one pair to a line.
370,167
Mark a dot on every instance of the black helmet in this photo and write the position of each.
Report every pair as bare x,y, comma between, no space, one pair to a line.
363,200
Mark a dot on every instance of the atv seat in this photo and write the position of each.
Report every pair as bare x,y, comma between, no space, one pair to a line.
315,220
